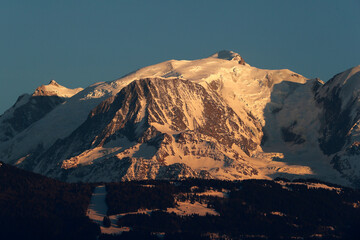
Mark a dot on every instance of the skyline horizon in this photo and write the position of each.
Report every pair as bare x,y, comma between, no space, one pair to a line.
84,42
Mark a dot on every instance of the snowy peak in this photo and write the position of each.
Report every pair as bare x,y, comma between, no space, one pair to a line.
240,85
55,89
53,82
229,55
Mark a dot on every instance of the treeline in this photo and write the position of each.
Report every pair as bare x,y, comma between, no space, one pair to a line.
139,235
36,207
253,209
267,208
123,197
131,196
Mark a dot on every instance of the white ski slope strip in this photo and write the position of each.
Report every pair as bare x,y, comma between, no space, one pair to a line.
97,211
97,208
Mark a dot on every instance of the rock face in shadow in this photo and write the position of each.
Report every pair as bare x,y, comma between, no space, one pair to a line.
289,136
290,117
335,122
31,109
317,122
339,137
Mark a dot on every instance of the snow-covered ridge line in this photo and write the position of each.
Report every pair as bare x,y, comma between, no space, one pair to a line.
215,117
207,69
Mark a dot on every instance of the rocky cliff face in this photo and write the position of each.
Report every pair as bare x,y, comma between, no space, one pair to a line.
154,127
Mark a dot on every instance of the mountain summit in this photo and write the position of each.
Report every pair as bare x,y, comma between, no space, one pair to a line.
28,109
215,117
55,89
229,55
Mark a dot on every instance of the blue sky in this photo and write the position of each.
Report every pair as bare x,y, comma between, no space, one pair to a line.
78,43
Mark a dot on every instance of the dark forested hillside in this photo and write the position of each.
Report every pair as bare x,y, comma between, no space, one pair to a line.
125,197
37,207
251,209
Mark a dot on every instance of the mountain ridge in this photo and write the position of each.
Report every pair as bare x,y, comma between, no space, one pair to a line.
199,107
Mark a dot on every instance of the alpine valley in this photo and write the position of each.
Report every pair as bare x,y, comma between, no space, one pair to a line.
212,118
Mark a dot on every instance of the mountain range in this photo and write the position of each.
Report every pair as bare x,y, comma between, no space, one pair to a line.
216,117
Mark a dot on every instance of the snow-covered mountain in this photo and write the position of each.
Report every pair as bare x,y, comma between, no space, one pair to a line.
216,117
340,122
30,108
